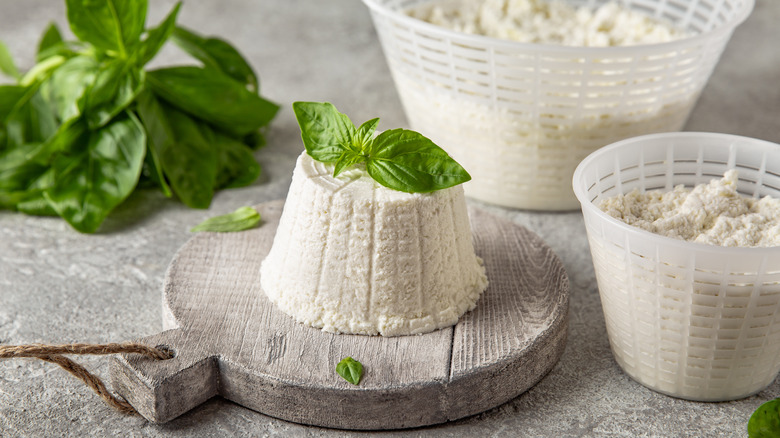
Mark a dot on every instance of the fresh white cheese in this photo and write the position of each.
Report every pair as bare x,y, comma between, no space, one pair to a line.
712,213
549,22
352,256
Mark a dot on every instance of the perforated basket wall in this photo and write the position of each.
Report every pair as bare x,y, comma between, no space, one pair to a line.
690,320
521,116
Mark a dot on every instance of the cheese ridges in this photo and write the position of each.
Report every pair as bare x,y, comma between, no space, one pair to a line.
352,256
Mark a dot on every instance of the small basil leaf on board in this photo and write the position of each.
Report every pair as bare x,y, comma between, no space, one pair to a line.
109,25
348,158
765,421
350,369
218,54
186,156
409,162
156,37
236,166
326,133
242,219
99,175
116,86
7,64
212,96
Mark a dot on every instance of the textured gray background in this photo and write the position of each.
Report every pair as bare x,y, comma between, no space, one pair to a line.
60,286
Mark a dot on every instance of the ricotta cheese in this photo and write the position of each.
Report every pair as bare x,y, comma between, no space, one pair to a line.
352,256
549,22
712,213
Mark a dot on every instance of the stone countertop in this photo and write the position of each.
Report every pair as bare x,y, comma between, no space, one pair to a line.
58,286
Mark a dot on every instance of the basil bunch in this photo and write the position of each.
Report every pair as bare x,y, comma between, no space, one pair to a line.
87,124
400,159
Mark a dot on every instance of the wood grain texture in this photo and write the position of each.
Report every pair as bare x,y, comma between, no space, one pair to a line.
230,340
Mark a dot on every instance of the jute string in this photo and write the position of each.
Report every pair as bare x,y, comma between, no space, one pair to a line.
54,354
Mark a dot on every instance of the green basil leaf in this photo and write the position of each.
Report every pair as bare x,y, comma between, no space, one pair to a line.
326,133
236,166
7,64
210,95
350,369
10,96
34,202
51,44
242,219
17,171
187,157
409,162
31,121
109,25
67,85
218,54
255,140
115,87
765,421
348,158
156,37
365,133
100,175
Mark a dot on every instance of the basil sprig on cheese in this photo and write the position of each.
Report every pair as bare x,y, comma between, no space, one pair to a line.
400,159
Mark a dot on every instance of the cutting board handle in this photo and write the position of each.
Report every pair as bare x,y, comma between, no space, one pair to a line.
161,390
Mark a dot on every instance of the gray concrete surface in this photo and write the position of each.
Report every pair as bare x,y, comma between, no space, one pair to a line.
60,286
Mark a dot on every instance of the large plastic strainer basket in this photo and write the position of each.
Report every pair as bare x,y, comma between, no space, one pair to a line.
690,320
520,116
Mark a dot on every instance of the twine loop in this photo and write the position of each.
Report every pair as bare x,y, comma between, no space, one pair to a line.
55,354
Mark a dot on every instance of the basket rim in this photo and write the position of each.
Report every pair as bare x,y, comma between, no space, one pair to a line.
491,42
588,207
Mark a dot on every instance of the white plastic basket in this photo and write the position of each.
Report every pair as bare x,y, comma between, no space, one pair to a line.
690,320
520,116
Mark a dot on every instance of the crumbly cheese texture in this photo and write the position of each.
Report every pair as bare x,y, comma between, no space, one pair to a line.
553,22
351,256
712,213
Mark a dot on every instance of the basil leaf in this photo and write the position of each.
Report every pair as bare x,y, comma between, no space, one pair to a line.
218,54
109,25
765,421
34,202
348,158
156,37
212,96
10,95
187,158
326,133
67,85
51,43
114,88
16,171
409,162
7,64
100,175
242,219
31,121
236,166
350,369
365,133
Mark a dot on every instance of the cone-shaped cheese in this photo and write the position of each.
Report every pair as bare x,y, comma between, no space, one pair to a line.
352,256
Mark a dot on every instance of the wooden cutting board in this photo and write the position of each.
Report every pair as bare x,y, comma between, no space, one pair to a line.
230,340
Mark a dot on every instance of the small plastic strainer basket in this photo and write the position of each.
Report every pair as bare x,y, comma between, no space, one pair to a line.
520,116
690,320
